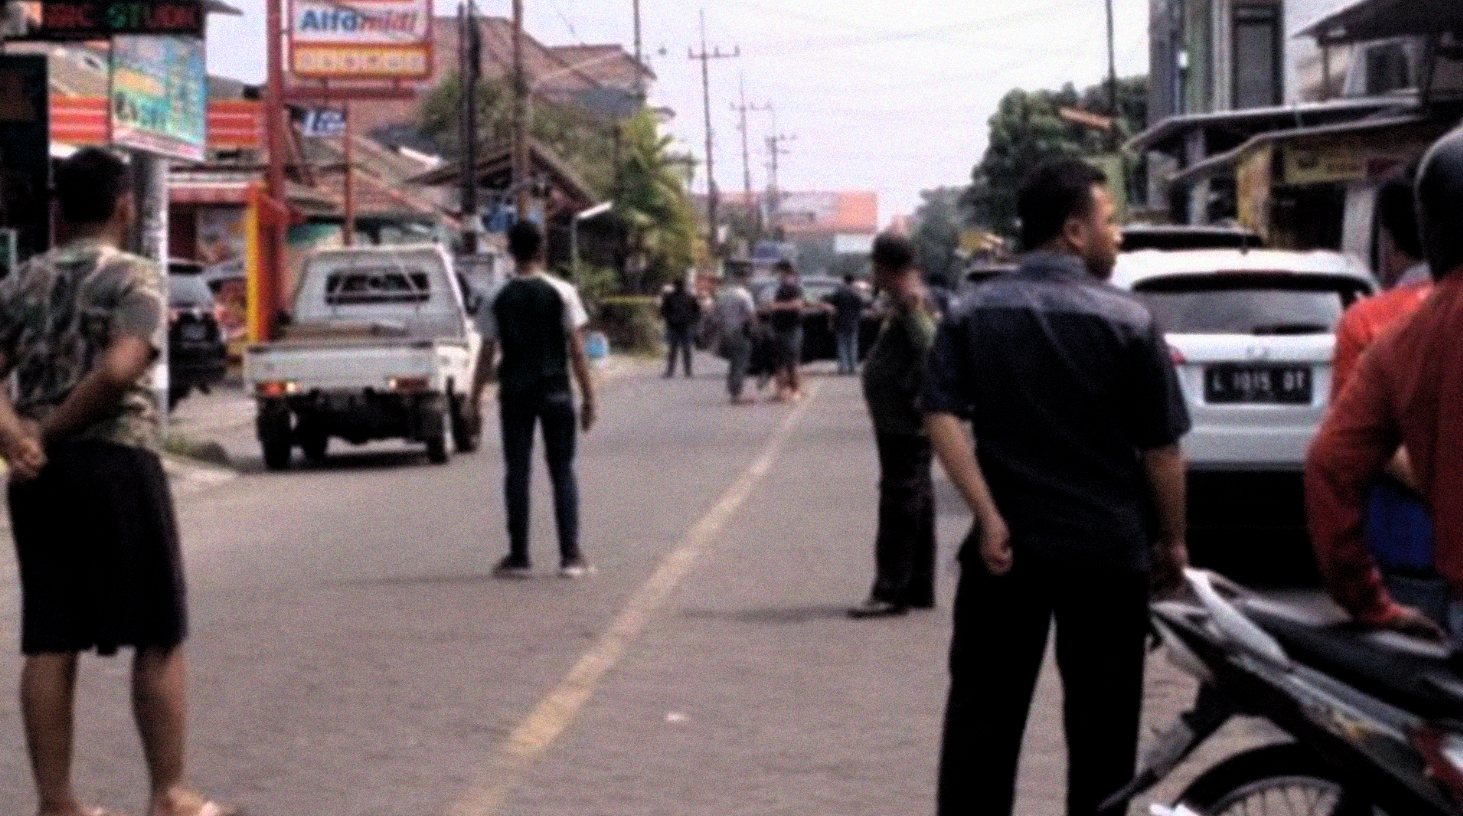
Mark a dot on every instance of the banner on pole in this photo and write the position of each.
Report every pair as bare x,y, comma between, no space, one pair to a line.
159,98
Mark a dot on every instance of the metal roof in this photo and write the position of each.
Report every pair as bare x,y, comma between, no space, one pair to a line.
1249,121
1383,19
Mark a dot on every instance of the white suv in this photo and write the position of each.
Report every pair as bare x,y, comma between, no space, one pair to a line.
1252,334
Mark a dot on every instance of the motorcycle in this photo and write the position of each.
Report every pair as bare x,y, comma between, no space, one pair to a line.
1375,717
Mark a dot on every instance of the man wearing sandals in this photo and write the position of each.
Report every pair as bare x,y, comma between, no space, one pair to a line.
95,535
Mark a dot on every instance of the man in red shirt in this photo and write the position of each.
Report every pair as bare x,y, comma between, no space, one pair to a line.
1406,390
1398,524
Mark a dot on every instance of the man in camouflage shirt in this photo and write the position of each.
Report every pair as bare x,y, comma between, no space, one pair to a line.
95,534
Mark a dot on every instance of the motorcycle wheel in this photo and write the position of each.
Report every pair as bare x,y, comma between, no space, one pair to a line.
1276,780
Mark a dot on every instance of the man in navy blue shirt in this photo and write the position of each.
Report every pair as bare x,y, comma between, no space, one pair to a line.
1076,482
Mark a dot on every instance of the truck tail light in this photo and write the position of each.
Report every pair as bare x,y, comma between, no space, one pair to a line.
407,384
275,388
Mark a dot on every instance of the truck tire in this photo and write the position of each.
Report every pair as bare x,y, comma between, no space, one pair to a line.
436,427
466,430
313,439
273,427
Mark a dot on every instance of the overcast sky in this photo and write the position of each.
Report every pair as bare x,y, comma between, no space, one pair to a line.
881,95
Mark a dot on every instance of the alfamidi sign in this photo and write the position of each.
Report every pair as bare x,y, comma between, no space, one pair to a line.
361,39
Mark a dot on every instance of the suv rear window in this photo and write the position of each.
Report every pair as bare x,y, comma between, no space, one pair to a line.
1248,303
380,284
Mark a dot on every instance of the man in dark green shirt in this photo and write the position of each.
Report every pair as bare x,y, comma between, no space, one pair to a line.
904,547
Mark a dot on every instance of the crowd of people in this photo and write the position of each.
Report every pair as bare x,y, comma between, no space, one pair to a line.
1048,396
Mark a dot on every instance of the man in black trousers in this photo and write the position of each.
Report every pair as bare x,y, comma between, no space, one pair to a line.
1076,482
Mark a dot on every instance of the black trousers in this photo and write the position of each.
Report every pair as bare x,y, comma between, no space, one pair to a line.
904,548
555,413
1001,626
679,339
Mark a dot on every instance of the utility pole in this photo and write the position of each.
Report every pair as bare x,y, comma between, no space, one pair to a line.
774,193
747,156
520,116
1112,80
639,66
711,195
468,70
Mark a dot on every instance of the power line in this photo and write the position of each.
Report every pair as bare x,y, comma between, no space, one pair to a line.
742,109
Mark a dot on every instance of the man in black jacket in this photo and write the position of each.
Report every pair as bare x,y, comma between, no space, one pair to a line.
681,312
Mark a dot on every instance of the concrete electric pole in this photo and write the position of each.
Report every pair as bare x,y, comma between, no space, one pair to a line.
711,194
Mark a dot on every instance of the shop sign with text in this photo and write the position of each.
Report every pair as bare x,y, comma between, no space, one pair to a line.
364,39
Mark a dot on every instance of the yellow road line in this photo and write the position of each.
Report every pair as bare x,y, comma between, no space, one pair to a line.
554,712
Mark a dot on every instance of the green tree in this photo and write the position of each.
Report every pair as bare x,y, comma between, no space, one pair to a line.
650,196
1028,128
936,233
585,140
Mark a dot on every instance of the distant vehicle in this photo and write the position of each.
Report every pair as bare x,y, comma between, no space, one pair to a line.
380,345
1252,334
818,342
197,355
1137,237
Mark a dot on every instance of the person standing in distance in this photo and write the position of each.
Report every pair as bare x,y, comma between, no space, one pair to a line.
538,322
681,311
95,534
1076,482
847,306
734,314
785,316
904,546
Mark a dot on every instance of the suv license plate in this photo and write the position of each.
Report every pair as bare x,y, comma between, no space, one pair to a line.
1286,385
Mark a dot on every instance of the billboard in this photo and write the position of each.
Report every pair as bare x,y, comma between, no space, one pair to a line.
159,97
365,39
25,155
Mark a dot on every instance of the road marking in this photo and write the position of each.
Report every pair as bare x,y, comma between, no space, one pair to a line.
554,712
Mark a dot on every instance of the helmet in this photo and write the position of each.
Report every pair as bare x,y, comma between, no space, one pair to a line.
1440,204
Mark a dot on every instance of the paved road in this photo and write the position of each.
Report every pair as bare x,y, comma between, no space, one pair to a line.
352,656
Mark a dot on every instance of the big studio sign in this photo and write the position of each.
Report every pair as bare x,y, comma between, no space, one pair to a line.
365,39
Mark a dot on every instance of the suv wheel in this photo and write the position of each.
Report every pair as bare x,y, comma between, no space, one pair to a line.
273,426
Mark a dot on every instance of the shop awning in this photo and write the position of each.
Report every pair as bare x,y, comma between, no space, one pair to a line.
1227,161
1225,129
1369,20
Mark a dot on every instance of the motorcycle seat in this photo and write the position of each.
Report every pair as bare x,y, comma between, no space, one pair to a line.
1408,673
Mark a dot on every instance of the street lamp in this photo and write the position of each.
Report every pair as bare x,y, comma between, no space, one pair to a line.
582,215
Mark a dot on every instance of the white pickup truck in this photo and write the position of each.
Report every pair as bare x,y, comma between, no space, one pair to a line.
379,345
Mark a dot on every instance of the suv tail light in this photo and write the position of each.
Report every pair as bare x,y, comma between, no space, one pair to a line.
1177,356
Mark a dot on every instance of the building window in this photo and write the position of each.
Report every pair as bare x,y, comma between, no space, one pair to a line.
1257,55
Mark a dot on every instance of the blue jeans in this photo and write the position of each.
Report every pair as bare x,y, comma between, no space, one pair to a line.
847,343
519,414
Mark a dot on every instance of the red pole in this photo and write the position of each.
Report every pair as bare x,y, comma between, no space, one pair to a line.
272,270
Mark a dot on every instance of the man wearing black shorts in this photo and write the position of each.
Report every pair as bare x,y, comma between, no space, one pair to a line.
785,316
95,535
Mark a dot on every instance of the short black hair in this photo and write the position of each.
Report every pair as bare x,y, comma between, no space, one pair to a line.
1397,212
1054,192
892,252
784,267
848,278
525,241
89,185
